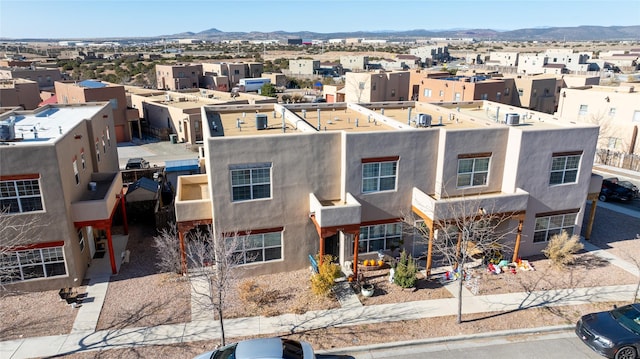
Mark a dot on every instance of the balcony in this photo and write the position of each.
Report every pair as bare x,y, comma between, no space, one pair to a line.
193,202
455,207
332,213
99,199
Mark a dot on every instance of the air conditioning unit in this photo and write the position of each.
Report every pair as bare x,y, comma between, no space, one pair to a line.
423,120
512,119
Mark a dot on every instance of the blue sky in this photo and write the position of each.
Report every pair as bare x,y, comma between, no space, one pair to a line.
69,19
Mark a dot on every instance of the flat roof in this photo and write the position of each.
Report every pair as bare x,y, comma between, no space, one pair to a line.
49,123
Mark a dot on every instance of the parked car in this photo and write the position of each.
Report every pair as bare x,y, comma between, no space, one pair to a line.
627,184
137,163
611,189
614,333
265,348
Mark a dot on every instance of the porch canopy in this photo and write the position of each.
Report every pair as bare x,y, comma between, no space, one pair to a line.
437,212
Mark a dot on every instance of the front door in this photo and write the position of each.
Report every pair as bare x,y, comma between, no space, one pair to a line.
331,245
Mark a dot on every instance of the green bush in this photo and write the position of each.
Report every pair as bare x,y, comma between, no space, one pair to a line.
323,281
405,271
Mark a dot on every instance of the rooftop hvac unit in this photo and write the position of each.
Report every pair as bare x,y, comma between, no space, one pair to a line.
261,121
8,130
424,120
512,119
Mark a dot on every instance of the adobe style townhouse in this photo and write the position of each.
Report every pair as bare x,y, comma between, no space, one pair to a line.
337,178
59,174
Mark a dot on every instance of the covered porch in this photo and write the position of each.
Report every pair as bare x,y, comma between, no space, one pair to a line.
436,213
97,209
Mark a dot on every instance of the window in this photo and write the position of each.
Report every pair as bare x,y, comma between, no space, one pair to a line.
114,103
427,92
548,226
81,239
374,86
636,116
75,169
380,237
612,111
535,92
441,93
498,96
104,145
393,92
258,247
583,110
97,150
612,143
250,182
108,136
457,96
473,170
520,92
82,160
33,263
484,96
20,196
379,175
564,168
361,85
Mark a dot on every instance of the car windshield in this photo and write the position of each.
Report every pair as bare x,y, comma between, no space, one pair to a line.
628,317
292,349
227,352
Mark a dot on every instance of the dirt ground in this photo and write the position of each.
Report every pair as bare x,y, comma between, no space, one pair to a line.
140,296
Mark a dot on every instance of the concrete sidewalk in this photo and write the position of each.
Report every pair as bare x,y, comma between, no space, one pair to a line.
83,338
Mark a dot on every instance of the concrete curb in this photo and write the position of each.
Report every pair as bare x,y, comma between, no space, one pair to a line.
457,338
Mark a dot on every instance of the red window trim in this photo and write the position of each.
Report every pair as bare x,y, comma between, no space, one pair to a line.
254,231
570,153
557,213
380,159
475,155
20,177
380,221
36,246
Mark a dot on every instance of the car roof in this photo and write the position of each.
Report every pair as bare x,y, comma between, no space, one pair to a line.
262,348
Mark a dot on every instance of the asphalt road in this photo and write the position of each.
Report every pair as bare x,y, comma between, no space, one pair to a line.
557,345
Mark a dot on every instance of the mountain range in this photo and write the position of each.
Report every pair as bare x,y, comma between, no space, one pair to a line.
579,33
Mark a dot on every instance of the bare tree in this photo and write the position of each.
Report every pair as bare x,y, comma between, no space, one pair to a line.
472,227
16,231
212,259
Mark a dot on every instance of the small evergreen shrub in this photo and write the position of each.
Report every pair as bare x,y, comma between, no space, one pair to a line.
323,281
405,271
561,249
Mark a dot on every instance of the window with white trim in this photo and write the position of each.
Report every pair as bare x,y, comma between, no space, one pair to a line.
108,136
250,182
254,248
32,263
82,159
564,168
97,150
20,196
427,92
473,170
380,237
81,239
548,226
75,169
583,110
379,176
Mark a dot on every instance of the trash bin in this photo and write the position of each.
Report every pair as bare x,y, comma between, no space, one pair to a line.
173,138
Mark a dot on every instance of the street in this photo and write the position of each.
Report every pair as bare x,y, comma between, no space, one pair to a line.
556,345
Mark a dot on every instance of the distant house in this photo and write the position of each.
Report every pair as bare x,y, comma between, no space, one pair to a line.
144,189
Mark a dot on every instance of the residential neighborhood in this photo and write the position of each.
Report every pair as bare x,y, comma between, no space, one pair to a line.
305,157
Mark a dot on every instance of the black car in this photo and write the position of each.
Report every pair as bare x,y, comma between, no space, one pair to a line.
611,189
613,334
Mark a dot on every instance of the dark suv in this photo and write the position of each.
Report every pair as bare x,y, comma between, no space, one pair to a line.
137,163
611,190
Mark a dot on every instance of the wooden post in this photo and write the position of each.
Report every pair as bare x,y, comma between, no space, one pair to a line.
516,248
112,258
183,253
321,251
429,249
458,247
356,240
592,217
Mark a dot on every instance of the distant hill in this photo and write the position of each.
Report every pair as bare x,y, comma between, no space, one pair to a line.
580,33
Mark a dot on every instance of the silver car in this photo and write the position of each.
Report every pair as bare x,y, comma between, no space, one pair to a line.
265,348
